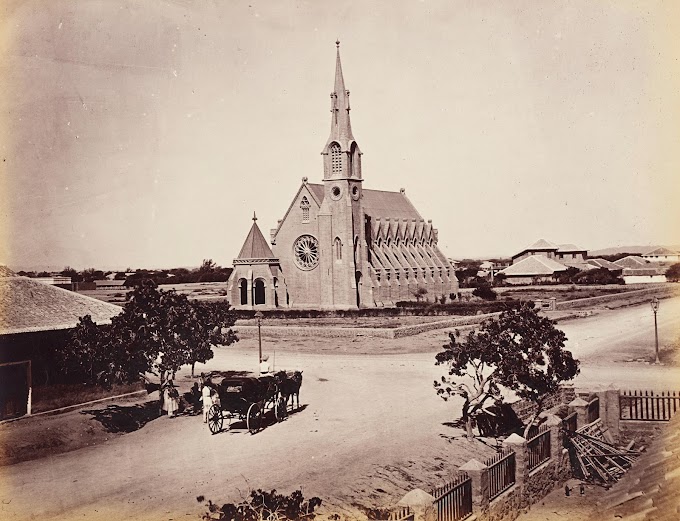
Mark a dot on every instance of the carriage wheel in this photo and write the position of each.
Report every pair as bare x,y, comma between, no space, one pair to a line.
254,418
215,419
281,409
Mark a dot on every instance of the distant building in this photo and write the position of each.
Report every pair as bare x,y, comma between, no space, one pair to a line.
35,318
662,255
533,269
59,281
637,270
109,284
544,261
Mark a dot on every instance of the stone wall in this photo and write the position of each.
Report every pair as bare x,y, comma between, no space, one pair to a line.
351,332
630,296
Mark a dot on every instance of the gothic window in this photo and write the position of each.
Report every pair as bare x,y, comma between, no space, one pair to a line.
259,297
243,290
338,248
304,205
306,251
336,159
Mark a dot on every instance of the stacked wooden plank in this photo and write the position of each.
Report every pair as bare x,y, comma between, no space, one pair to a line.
595,458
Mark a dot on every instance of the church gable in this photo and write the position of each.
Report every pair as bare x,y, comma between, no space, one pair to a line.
303,209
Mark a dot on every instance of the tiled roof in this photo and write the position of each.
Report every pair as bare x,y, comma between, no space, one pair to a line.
542,244
645,272
632,261
650,490
27,306
317,190
255,247
602,263
568,248
394,205
6,272
535,265
662,251
379,203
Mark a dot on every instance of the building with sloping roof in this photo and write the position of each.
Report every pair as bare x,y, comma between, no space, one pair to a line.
35,319
343,246
662,255
603,263
256,280
650,490
637,270
533,269
568,254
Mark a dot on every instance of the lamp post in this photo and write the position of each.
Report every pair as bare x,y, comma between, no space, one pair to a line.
258,316
655,308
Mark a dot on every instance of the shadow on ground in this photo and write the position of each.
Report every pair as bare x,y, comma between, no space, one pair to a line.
117,418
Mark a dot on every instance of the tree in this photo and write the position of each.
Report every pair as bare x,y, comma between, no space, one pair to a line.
420,293
673,273
484,292
158,332
520,351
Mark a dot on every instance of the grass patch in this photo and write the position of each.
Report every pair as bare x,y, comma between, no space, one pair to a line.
51,397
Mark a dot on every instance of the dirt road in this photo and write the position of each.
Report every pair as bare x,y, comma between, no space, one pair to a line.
371,429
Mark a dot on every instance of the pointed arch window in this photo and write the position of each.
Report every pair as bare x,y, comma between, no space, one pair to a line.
337,246
304,205
336,159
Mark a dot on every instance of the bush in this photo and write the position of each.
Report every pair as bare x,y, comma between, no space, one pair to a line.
485,292
264,505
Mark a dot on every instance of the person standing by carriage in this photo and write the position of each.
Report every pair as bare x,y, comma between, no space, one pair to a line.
206,396
171,399
264,365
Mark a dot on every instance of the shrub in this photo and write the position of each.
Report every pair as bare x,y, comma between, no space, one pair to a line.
484,292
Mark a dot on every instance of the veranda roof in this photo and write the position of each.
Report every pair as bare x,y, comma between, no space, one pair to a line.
29,306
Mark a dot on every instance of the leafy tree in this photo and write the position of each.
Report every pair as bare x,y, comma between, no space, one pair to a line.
70,272
420,293
485,292
520,351
158,332
673,273
263,505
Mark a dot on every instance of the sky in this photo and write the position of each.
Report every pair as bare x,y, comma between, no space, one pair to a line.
145,134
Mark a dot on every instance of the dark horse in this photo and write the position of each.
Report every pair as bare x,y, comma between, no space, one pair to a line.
289,386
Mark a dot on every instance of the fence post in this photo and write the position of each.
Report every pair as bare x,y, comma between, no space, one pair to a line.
610,410
479,473
516,443
580,406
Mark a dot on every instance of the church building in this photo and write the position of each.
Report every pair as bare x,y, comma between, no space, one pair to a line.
339,245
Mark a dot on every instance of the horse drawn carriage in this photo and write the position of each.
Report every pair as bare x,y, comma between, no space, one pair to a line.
250,398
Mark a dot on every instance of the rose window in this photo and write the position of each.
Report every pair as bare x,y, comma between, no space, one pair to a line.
306,250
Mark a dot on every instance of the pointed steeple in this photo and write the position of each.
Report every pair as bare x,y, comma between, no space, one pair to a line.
255,246
342,154
341,127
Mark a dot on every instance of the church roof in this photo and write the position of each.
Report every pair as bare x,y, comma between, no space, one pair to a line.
255,246
395,205
379,203
534,266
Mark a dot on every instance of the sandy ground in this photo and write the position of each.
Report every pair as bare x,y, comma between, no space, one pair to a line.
371,429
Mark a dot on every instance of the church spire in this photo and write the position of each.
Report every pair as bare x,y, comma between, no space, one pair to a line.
342,155
341,128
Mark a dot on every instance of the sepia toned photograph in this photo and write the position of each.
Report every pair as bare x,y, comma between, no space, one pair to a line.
338,260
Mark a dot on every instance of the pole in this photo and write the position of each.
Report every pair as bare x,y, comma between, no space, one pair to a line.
656,339
259,337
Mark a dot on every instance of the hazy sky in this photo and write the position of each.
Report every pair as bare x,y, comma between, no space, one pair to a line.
144,134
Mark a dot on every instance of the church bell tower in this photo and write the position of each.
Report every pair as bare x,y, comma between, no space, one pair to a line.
341,230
